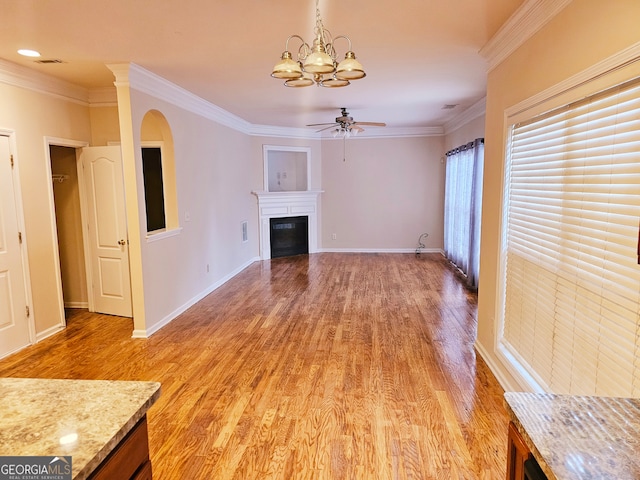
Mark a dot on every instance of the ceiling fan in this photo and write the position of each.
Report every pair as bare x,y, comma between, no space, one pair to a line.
345,126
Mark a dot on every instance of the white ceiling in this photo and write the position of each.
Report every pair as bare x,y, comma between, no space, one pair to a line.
419,55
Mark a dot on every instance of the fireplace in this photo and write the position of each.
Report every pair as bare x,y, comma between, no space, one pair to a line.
282,206
289,236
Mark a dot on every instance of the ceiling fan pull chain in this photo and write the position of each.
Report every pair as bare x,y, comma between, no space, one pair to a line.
344,148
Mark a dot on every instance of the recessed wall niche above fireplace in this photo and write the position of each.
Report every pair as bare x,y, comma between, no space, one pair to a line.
287,193
286,170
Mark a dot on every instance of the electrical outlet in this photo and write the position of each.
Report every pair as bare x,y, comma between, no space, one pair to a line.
207,268
334,236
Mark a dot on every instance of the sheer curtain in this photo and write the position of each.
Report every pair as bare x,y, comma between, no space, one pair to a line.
462,208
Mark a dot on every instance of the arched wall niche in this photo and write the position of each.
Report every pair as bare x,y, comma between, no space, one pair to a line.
155,131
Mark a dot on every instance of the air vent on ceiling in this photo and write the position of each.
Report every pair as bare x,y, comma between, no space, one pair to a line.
449,106
49,60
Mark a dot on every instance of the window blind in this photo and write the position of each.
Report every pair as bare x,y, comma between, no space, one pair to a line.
570,247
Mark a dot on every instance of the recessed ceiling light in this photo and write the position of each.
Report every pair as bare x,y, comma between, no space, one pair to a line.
28,53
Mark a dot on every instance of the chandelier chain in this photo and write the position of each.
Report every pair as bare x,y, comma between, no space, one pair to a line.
318,17
320,32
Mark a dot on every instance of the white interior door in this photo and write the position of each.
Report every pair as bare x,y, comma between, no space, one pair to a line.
14,318
108,241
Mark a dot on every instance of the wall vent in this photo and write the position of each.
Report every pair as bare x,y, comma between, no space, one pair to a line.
245,232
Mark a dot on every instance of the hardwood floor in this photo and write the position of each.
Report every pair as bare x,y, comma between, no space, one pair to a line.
328,366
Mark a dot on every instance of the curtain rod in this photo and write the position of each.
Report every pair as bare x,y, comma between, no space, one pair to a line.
466,146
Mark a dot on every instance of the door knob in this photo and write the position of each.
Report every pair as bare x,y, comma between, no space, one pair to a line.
122,242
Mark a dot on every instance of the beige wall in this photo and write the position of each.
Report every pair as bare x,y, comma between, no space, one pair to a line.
382,193
585,33
105,126
465,134
216,169
34,116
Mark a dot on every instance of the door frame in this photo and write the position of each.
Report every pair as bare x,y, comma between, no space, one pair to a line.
75,144
24,251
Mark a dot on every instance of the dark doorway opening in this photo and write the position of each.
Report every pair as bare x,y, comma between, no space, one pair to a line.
289,236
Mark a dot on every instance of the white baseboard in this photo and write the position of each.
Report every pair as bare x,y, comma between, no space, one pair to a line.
141,333
510,378
76,304
48,332
146,333
379,250
497,370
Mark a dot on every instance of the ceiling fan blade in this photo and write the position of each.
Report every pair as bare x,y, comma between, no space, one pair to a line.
320,124
372,124
333,125
357,128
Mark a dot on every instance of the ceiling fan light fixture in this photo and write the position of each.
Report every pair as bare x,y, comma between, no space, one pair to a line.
344,125
287,68
318,60
342,132
350,68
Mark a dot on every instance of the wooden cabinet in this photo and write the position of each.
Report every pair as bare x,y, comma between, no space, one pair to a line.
517,454
521,465
130,459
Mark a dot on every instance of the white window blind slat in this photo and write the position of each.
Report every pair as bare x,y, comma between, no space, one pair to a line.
577,139
572,281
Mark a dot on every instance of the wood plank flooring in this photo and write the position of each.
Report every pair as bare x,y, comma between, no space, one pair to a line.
327,366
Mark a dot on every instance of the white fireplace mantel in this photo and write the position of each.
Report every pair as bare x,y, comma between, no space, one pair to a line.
287,204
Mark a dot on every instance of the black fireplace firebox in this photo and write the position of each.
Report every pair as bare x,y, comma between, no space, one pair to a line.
289,236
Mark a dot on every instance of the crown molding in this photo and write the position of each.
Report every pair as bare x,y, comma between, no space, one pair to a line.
522,25
138,78
103,97
144,81
389,132
23,77
474,111
283,132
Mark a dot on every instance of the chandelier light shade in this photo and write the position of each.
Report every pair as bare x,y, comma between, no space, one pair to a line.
350,68
318,64
287,68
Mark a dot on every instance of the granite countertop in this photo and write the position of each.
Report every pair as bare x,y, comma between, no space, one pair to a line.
576,437
85,419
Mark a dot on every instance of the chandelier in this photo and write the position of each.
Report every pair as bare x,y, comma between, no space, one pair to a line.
318,64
